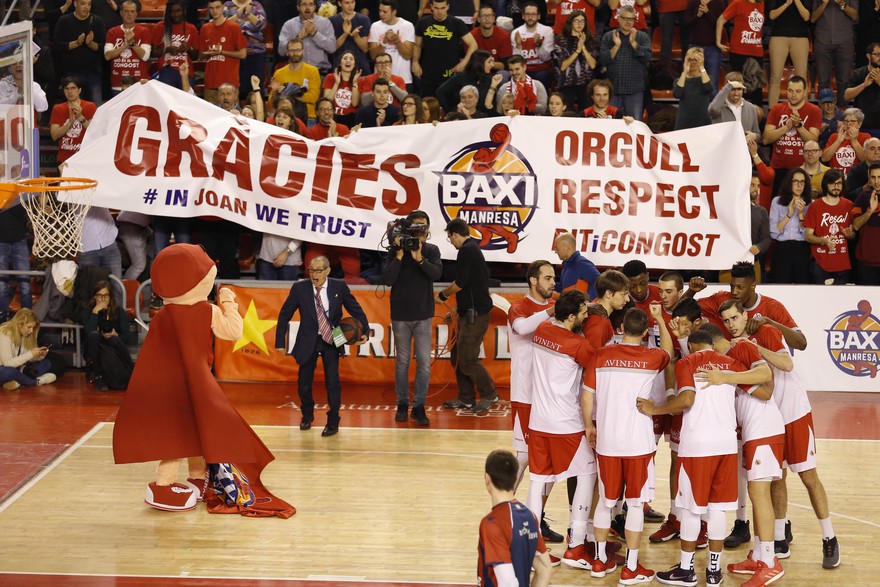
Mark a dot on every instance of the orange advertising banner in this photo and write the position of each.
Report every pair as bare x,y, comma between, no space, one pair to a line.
255,358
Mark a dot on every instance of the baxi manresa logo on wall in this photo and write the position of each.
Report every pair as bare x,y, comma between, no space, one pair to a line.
854,341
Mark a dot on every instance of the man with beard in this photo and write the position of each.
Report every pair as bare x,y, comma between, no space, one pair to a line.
327,125
315,32
395,37
828,225
813,165
535,43
789,125
863,90
300,73
728,105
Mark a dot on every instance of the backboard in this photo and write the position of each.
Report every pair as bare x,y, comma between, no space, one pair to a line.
18,146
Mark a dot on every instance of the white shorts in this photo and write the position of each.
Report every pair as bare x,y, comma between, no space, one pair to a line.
800,444
762,458
521,414
556,457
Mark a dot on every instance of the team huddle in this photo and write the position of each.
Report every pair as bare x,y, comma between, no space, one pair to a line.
593,388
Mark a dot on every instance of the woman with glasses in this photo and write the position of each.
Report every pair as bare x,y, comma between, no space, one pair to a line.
411,110
791,257
575,56
104,325
431,109
846,147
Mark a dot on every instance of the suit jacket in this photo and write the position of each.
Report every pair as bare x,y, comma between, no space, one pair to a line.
302,298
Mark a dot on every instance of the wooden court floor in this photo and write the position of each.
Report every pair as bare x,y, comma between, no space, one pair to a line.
379,503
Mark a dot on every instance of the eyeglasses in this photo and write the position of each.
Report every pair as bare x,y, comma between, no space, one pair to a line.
875,54
383,63
627,18
798,182
409,103
102,296
325,109
811,151
850,121
530,14
313,270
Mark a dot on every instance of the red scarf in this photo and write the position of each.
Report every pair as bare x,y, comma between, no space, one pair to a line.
524,97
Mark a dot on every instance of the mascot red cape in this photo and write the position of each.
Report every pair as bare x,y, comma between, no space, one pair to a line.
174,408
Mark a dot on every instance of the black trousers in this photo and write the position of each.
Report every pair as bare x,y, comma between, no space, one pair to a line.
469,371
331,382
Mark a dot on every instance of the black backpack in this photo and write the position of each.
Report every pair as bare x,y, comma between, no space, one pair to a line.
116,366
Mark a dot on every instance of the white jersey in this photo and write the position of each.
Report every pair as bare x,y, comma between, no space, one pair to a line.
789,392
758,418
400,66
523,319
557,379
619,375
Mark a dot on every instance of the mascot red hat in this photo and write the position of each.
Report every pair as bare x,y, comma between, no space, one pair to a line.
168,279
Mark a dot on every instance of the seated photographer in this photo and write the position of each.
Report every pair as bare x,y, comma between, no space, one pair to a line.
106,353
22,362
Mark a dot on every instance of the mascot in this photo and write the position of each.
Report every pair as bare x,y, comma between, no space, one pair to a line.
174,408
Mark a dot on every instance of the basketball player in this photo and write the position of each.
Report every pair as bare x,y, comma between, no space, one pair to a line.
510,545
624,440
523,319
800,442
762,309
558,446
763,441
707,457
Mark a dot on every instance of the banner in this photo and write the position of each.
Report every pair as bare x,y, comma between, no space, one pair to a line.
677,200
842,326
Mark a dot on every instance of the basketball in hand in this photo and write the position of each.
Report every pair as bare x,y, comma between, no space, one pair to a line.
351,329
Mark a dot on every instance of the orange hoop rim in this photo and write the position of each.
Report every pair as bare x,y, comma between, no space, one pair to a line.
54,184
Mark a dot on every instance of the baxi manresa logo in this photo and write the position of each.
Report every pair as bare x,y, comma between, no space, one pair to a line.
854,341
491,186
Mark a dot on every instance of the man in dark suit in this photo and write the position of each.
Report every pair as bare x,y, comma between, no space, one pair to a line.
320,301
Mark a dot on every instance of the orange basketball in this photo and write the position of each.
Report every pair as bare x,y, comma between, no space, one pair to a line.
351,328
499,133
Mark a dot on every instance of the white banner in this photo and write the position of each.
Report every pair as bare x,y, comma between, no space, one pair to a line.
677,200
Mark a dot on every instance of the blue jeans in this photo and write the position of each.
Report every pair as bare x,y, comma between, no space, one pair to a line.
404,333
13,374
631,104
268,271
108,257
15,256
165,226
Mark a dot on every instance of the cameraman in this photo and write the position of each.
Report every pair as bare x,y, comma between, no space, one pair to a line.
411,268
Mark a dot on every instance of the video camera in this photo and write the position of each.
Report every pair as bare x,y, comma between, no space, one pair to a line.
408,233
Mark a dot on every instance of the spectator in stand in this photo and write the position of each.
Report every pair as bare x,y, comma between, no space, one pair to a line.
22,362
867,222
672,17
411,110
788,126
831,114
175,41
790,38
700,19
134,231
556,106
436,52
535,43
791,256
493,39
728,105
316,34
108,10
127,48
833,42
641,7
78,43
394,38
223,46
431,108
626,52
529,95
250,16
813,165
327,126
857,179
760,223
478,74
601,91
15,255
468,100
99,247
564,8
227,98
828,225
342,88
297,73
575,59
285,119
280,257
254,101
105,327
693,91
745,38
845,147
380,112
352,30
863,90
70,119
396,84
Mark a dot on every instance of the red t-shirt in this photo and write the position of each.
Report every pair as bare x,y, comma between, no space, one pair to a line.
498,45
845,156
365,84
181,34
319,131
665,6
127,63
788,150
610,111
566,7
830,221
221,69
643,14
748,22
344,97
72,139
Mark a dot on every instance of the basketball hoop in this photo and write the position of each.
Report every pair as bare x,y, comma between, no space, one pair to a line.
56,207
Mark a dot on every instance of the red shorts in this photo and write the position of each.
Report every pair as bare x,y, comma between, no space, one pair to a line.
521,414
707,483
673,431
556,457
800,444
661,423
762,457
636,473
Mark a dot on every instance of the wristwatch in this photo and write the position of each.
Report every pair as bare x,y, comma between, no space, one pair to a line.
703,70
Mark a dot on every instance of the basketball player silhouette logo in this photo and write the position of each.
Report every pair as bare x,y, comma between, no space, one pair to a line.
493,188
854,341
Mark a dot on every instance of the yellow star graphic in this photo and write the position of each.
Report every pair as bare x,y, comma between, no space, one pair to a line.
254,329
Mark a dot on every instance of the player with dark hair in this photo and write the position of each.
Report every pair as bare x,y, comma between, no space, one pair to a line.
510,544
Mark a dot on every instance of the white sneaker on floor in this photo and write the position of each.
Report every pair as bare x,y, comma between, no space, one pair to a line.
46,378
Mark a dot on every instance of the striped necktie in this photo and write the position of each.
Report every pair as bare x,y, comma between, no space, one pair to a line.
323,323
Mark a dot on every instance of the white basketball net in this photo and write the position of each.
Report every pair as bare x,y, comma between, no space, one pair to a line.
57,218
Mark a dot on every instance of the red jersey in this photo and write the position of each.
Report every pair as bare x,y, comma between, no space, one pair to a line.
748,24
221,69
758,418
652,296
127,63
509,534
182,35
827,220
610,111
319,131
845,156
788,150
566,7
523,318
763,306
72,139
498,44
343,100
365,84
598,330
789,392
